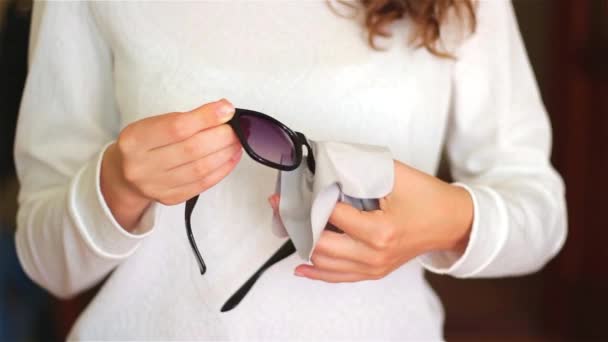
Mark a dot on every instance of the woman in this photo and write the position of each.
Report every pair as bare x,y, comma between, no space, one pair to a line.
120,124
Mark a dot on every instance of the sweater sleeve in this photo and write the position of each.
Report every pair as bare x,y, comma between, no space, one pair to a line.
67,239
498,146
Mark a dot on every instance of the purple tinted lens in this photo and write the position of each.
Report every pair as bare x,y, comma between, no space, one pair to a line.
268,140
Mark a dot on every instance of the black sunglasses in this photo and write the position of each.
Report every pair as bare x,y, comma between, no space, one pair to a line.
269,142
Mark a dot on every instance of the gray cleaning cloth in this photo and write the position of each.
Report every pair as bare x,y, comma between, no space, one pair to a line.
353,173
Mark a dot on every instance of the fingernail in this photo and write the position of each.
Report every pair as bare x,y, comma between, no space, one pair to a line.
225,110
298,273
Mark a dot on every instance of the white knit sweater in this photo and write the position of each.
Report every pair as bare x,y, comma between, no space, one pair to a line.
95,67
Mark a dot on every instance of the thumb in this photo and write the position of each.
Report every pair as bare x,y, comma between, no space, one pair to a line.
212,114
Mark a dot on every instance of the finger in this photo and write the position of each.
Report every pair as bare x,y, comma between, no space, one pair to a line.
329,276
165,129
196,147
182,193
274,202
327,263
361,225
342,246
277,216
213,114
199,169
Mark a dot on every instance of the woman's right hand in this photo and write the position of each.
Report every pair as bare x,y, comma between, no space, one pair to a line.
168,158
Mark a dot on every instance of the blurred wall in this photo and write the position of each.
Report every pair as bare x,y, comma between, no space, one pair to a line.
14,30
567,42
512,308
577,284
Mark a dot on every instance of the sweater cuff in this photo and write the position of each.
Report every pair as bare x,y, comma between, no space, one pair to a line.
488,236
95,221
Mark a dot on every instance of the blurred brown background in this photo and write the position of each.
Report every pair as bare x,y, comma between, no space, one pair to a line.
567,42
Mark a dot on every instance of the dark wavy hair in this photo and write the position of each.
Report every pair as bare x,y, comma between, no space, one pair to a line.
426,16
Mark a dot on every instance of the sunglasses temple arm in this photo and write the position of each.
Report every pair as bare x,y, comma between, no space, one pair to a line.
189,208
310,158
310,161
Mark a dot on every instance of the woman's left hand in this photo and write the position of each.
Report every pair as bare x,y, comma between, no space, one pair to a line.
420,215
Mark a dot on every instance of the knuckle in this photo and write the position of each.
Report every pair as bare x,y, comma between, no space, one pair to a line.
191,147
126,140
207,121
379,243
149,193
169,200
164,201
179,127
130,172
378,274
226,134
201,138
379,260
206,183
320,246
200,168
384,238
316,259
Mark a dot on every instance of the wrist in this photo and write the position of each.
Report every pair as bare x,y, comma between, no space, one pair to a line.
461,219
124,201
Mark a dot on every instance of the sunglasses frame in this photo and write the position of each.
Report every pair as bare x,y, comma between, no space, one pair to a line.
298,139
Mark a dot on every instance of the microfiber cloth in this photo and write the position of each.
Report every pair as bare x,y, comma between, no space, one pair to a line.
353,173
